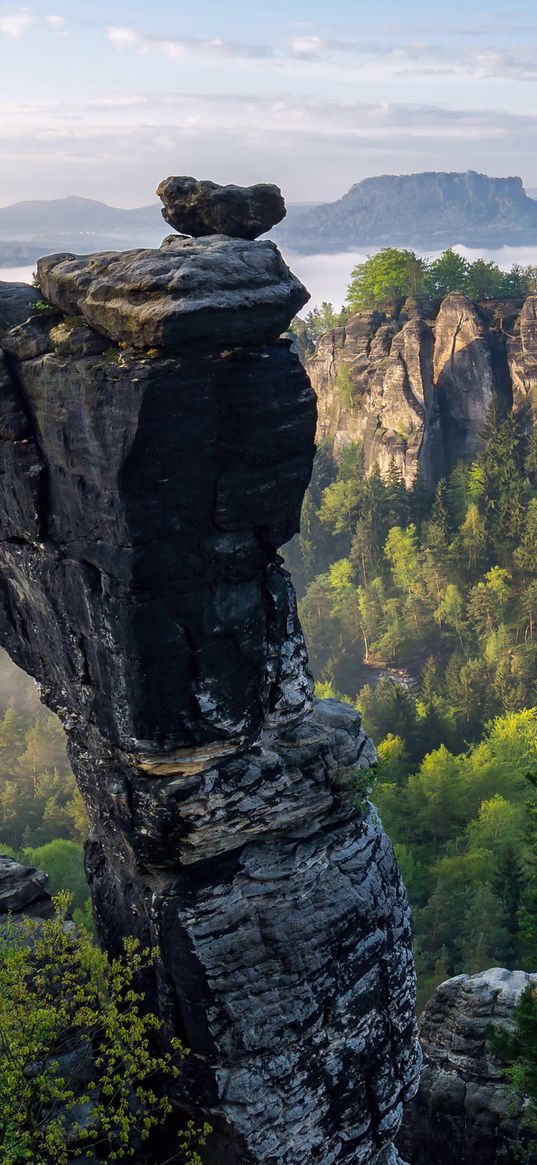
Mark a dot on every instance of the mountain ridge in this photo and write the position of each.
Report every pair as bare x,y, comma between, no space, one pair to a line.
430,209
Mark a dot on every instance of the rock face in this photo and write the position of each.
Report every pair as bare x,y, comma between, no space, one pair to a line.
462,1113
204,208
428,210
22,890
220,290
422,379
144,493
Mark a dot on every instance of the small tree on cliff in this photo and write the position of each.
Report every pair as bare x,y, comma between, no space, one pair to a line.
389,275
77,1069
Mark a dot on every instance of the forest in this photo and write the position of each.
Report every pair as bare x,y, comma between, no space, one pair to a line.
421,608
43,821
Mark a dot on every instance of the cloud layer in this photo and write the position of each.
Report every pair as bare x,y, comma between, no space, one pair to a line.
304,108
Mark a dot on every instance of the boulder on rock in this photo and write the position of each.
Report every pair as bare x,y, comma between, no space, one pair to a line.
205,208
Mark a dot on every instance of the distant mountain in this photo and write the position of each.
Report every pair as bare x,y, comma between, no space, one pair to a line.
31,229
427,211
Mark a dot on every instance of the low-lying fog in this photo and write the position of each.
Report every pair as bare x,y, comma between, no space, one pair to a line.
327,276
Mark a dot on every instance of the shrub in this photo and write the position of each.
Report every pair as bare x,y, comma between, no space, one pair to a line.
60,995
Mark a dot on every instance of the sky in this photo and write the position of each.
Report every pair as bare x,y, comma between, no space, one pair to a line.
106,99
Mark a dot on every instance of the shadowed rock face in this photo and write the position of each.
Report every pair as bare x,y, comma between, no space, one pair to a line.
463,1113
144,494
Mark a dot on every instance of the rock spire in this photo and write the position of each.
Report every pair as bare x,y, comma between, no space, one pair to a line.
156,440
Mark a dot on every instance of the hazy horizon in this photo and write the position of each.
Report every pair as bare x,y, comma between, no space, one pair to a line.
103,100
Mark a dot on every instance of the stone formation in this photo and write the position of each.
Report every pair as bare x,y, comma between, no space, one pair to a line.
156,440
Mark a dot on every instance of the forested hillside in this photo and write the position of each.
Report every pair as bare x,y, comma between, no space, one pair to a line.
434,595
42,815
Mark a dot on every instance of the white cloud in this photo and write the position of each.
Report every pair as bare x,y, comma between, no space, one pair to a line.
125,37
17,23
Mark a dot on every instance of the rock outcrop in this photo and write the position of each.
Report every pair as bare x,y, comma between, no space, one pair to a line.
144,493
463,1113
414,384
205,208
23,890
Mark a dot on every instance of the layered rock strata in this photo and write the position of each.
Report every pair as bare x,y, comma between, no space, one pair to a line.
463,1113
145,490
414,384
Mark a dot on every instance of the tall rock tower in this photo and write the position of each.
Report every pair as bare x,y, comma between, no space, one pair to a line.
156,440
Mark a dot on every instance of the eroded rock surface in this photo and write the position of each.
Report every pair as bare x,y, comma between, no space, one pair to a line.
462,1113
218,290
144,494
205,208
414,384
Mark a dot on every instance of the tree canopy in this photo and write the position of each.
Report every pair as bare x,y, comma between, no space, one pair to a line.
393,274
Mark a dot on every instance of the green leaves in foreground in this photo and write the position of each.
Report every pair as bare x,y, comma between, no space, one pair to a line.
78,1070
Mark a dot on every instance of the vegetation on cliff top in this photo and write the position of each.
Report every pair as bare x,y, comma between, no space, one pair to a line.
393,274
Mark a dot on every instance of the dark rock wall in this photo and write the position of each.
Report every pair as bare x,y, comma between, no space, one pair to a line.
423,378
144,493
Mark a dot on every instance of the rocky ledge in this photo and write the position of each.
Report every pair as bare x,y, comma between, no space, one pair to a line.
463,1113
144,493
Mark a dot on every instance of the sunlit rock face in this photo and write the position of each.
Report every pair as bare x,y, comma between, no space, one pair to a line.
463,1113
145,491
414,384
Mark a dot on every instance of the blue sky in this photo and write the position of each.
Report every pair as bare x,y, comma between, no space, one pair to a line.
105,99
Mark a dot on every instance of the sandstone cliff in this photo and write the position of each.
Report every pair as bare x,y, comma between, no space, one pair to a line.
463,1114
156,440
414,385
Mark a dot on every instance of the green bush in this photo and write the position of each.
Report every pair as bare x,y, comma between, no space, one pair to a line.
59,992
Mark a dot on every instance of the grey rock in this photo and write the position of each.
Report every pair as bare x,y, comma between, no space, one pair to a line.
144,496
214,290
522,357
422,379
462,1113
205,208
428,210
17,304
22,889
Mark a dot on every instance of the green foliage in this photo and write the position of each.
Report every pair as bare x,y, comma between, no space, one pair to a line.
319,320
57,991
440,591
393,274
345,386
385,277
64,863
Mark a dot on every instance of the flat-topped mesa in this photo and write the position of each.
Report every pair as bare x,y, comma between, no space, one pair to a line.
145,488
204,208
